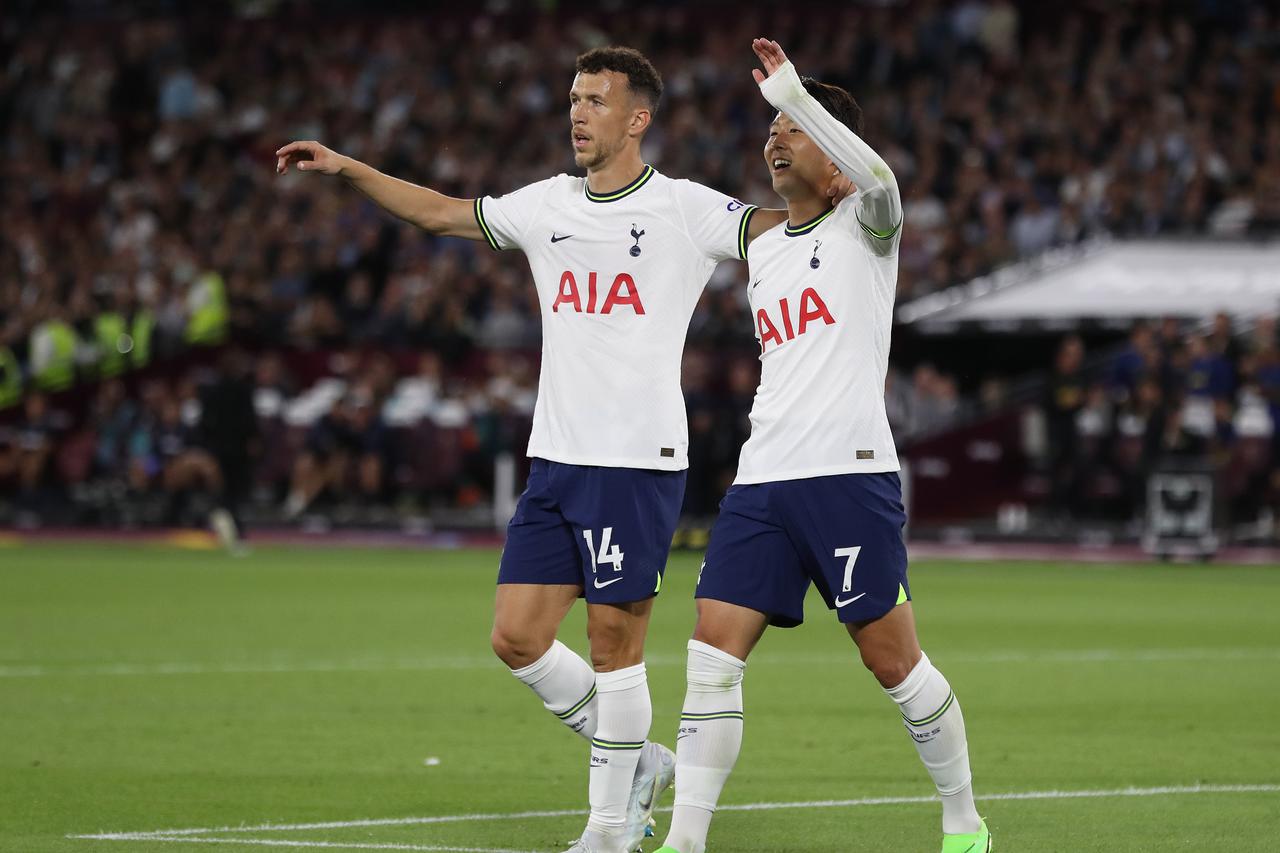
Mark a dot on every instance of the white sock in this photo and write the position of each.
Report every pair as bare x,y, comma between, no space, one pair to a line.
566,684
935,723
708,742
625,713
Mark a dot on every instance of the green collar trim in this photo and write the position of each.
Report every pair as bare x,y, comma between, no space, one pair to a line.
625,191
799,230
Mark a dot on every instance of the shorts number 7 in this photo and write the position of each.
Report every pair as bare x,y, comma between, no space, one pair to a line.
852,557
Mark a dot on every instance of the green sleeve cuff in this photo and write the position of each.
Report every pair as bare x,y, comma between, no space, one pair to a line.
484,227
743,228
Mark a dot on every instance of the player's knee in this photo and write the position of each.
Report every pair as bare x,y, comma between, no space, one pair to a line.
889,669
614,647
714,635
516,650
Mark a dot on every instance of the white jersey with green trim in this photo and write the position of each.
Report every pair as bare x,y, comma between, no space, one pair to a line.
617,276
822,300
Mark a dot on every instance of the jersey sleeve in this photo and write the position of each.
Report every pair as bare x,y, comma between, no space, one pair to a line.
717,224
878,203
504,220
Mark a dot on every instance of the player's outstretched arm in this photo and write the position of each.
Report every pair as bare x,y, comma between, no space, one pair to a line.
426,208
880,202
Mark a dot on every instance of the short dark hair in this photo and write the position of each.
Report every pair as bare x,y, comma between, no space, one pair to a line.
836,101
642,77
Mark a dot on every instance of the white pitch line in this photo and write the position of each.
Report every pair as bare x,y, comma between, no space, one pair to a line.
1016,795
277,842
766,658
340,824
1165,790
261,668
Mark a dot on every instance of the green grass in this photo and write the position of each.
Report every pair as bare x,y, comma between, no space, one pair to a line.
150,688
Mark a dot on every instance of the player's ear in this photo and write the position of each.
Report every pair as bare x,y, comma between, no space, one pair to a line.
641,118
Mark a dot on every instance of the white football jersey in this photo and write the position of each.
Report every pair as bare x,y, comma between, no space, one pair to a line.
618,276
823,308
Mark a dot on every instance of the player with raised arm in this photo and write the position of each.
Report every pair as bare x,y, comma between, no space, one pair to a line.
817,497
619,259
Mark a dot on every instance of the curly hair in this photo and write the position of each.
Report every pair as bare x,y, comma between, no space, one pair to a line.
642,78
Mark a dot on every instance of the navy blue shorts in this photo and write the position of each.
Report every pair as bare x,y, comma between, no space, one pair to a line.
842,533
607,530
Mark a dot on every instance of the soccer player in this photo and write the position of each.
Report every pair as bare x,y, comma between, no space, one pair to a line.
817,497
619,259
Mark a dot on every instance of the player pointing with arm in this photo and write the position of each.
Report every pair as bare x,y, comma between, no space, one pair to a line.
619,259
817,497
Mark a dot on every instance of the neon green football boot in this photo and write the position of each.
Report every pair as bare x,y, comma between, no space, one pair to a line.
970,842
665,849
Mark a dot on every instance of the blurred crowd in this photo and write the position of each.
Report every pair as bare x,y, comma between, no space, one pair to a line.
140,218
1171,398
139,210
346,436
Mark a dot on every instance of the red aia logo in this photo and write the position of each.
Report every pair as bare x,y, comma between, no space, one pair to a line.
812,308
622,292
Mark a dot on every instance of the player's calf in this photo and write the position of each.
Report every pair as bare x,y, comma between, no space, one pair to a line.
526,617
708,743
936,725
566,684
890,650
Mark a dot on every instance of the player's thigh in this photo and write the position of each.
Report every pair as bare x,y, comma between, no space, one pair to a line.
731,628
526,618
849,530
540,547
751,562
623,521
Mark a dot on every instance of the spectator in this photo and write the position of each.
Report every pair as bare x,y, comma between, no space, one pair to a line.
1138,359
33,444
114,417
229,432
1066,397
185,469
1210,372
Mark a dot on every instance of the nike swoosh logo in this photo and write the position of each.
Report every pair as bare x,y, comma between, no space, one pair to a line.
555,239
755,284
840,603
615,580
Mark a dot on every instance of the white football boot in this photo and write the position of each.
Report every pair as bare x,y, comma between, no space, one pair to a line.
654,774
597,842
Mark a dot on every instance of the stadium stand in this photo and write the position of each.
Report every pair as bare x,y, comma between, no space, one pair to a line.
142,229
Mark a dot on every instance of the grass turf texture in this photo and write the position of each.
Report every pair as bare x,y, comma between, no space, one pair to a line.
153,688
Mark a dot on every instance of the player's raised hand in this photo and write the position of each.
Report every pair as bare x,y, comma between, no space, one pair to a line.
771,55
309,157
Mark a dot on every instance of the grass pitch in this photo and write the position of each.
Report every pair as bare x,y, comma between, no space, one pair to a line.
147,689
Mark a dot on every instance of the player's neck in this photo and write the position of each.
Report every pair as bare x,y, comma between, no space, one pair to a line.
615,174
801,210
